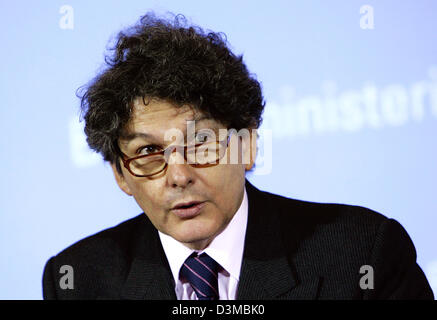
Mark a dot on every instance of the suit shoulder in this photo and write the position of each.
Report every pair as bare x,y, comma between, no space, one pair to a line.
326,213
325,225
99,262
117,239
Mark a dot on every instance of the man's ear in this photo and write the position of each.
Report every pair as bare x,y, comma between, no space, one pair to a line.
121,181
251,149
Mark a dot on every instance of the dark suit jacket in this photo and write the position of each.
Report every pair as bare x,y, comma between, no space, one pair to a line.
293,250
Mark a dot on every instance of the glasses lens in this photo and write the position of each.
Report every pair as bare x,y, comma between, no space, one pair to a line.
147,165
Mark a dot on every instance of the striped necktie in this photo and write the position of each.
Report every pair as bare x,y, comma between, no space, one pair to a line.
202,273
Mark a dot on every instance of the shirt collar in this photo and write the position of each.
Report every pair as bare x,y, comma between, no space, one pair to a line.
226,248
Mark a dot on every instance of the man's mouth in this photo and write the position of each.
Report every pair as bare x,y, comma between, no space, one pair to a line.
186,210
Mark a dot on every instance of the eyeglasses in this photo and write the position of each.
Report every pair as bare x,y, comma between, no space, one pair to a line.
203,154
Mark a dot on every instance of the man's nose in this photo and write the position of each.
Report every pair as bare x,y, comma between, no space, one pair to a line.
179,174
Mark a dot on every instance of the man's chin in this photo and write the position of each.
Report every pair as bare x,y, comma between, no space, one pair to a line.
196,240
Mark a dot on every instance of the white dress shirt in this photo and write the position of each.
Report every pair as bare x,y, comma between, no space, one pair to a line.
226,249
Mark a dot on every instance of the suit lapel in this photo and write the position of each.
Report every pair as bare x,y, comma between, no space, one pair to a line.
148,281
149,277
268,272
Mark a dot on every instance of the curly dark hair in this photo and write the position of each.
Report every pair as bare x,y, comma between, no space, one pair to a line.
172,61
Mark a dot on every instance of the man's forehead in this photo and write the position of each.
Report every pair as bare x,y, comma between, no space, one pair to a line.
157,116
160,109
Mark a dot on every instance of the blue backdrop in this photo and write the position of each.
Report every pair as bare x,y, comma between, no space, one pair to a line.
351,91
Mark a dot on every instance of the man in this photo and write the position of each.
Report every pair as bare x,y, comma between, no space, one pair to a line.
206,233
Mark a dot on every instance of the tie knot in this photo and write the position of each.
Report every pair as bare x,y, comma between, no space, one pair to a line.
201,271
